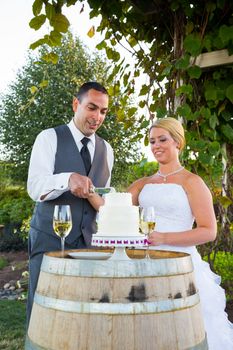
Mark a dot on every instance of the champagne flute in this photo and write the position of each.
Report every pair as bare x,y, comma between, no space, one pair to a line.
147,223
62,223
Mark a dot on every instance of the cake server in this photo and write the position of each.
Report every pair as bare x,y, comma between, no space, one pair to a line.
102,190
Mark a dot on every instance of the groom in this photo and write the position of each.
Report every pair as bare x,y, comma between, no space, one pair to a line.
65,163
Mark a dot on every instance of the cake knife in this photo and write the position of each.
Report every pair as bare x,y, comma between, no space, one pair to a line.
102,190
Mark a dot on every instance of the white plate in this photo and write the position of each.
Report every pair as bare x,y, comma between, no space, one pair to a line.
90,255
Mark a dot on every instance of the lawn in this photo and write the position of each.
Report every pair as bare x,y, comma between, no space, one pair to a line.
12,324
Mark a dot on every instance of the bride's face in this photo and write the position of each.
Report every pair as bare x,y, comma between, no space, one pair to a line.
163,146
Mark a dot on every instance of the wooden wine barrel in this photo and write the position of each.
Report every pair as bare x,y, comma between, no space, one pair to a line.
117,305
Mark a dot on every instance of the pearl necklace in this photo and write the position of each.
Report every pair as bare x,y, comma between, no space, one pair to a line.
172,173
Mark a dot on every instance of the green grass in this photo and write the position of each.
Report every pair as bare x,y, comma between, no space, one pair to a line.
12,324
3,262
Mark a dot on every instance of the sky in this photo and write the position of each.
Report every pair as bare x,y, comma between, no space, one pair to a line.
16,37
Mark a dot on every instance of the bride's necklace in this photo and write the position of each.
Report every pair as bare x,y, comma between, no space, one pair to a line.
172,173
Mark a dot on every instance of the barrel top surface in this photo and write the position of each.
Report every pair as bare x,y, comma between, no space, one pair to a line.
132,253
162,263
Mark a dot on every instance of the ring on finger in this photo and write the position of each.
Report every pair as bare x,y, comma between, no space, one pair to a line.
92,189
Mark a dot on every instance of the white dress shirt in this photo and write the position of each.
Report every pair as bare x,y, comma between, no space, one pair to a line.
41,179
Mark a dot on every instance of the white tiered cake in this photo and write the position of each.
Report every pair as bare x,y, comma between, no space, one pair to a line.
118,217
118,223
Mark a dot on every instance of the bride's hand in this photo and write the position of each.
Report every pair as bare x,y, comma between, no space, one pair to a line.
156,238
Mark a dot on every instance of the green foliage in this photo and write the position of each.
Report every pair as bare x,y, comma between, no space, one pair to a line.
12,241
42,97
193,44
6,169
24,228
222,264
142,169
12,324
15,205
3,262
37,22
15,208
57,20
194,72
136,171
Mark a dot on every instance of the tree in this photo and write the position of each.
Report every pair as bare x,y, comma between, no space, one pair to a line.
41,97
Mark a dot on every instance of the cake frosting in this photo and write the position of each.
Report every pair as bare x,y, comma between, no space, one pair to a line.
118,216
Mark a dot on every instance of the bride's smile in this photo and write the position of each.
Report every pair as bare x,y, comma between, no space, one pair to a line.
164,148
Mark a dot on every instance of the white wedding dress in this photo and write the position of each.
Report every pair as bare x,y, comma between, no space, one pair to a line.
173,214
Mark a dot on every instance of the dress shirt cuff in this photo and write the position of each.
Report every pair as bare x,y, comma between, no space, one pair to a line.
60,186
62,182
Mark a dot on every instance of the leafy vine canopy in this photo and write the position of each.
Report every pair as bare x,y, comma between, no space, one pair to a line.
164,38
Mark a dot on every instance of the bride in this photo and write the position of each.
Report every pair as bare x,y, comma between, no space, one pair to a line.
181,198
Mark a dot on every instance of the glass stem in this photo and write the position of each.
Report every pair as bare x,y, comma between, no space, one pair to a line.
62,246
147,248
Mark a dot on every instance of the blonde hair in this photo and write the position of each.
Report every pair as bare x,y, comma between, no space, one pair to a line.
174,127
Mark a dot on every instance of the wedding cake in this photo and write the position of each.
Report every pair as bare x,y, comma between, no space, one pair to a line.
118,216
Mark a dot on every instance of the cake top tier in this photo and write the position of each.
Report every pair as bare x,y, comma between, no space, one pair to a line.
118,198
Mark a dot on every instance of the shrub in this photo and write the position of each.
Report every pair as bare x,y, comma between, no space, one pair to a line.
15,207
135,171
3,262
12,241
223,266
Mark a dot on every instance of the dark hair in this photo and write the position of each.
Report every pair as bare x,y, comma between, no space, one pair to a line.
88,86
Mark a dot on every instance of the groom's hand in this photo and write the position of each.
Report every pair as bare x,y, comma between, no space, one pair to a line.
80,185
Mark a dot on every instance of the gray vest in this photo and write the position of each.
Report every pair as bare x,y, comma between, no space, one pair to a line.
68,159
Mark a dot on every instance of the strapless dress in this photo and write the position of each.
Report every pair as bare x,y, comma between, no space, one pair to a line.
173,214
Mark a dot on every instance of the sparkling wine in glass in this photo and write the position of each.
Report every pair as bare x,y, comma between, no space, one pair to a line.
62,223
147,223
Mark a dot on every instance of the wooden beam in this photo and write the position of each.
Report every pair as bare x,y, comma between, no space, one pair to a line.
214,58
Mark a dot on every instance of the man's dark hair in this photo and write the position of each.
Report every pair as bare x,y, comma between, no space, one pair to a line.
88,86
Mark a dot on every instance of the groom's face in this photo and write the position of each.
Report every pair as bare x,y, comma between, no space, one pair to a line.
90,111
163,146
